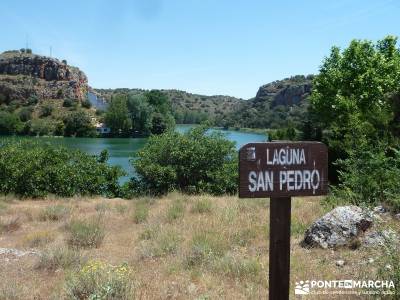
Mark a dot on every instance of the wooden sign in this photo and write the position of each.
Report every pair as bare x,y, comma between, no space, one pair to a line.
279,169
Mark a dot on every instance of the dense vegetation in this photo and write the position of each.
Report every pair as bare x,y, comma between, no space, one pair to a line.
29,169
187,108
139,114
355,110
53,117
196,162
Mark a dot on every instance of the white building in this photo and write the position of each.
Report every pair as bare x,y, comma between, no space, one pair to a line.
102,128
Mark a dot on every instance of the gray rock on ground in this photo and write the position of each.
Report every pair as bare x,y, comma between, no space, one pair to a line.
377,238
16,252
340,227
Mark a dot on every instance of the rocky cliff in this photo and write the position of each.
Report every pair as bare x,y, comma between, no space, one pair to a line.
278,104
23,75
286,92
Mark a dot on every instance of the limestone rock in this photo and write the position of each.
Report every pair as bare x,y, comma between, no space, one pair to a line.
23,75
340,227
291,91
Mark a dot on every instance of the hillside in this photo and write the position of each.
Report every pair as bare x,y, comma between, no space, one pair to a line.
35,87
187,107
24,75
37,93
277,104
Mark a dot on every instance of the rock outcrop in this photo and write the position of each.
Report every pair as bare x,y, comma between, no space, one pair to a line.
24,75
287,92
340,227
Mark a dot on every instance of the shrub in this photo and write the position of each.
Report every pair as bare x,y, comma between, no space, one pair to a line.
29,169
9,123
141,212
370,176
86,104
41,127
33,100
149,232
59,257
243,237
54,213
39,238
25,114
68,102
46,110
195,161
389,264
205,247
202,206
86,233
237,268
175,211
97,280
165,243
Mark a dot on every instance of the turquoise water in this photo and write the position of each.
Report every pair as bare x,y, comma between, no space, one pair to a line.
121,150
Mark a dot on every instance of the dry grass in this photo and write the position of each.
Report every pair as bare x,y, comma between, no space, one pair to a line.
38,238
178,247
9,224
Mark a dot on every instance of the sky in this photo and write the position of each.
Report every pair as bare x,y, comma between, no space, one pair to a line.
200,46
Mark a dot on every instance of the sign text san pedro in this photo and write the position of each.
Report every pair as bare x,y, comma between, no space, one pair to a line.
280,170
283,169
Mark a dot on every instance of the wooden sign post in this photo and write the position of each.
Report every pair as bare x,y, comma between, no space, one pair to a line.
279,171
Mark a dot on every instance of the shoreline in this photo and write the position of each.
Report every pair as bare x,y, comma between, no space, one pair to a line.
260,131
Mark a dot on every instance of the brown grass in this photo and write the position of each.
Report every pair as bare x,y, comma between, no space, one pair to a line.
177,251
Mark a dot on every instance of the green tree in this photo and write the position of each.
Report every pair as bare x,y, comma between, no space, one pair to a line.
9,123
42,127
161,123
354,98
25,114
140,112
195,161
78,124
46,110
86,104
159,101
117,116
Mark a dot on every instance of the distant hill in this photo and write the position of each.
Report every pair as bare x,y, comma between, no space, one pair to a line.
187,107
32,84
277,104
40,92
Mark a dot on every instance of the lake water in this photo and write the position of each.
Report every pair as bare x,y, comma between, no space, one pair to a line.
121,149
